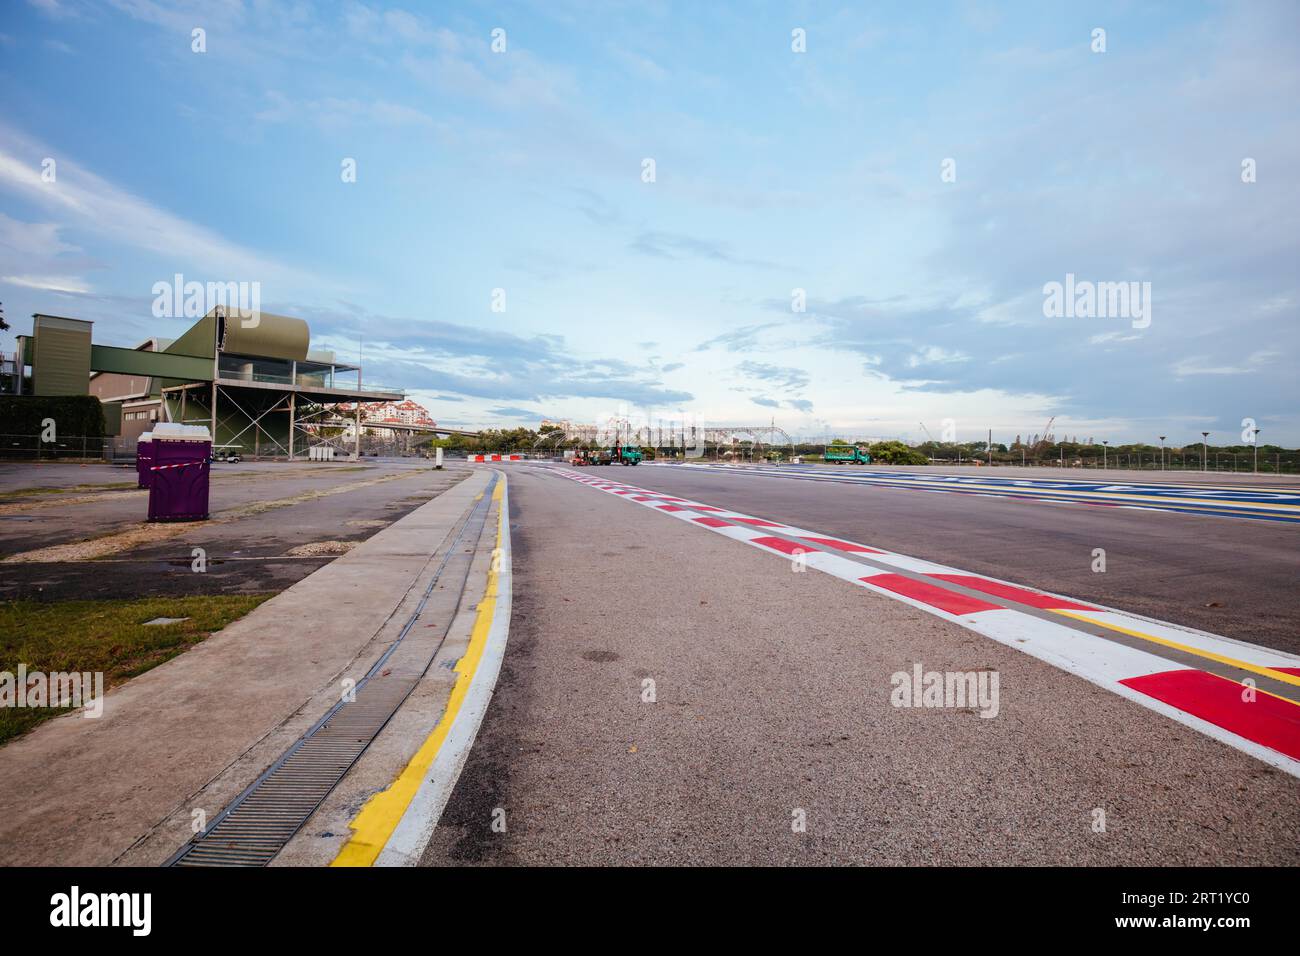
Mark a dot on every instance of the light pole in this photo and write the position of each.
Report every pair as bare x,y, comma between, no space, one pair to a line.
1104,443
1205,451
1255,441
1162,452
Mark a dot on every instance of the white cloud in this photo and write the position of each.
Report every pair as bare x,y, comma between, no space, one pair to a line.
53,9
333,113
87,202
48,283
1103,338
1199,365
638,65
935,355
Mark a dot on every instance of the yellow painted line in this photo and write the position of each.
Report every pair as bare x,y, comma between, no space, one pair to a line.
1166,501
1261,690
1258,690
937,482
1190,509
1193,509
1173,502
1208,655
1192,486
374,824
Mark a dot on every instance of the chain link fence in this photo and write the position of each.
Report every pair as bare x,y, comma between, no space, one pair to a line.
66,448
116,449
1272,463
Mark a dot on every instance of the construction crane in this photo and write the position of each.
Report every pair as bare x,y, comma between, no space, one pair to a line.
1045,439
928,436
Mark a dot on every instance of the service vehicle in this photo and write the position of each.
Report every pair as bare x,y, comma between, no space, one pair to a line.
852,454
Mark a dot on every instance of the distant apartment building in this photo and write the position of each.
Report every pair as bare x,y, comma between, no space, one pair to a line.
404,413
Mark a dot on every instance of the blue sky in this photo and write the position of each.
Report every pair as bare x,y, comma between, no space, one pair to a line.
774,171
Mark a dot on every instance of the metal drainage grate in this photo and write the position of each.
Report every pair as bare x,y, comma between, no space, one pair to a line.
259,826
261,820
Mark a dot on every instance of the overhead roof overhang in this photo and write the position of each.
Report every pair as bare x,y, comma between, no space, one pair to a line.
109,358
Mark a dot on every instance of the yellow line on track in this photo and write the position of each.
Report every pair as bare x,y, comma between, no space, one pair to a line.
1266,489
1170,502
374,824
1277,675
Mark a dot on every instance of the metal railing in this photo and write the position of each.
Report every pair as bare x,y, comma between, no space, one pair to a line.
1284,463
306,381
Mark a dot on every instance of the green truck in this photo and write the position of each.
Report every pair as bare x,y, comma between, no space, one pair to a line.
850,453
631,455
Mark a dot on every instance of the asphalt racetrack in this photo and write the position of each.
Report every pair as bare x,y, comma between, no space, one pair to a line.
1172,495
673,693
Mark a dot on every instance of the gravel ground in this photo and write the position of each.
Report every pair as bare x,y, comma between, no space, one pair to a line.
772,697
245,552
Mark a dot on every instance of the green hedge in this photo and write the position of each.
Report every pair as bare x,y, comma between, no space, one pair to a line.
74,415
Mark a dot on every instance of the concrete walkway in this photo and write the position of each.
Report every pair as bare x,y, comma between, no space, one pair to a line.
123,788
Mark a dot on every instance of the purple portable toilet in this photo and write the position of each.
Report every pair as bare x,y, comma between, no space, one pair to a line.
143,458
178,486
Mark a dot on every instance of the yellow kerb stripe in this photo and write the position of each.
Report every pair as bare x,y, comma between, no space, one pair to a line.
375,824
1209,655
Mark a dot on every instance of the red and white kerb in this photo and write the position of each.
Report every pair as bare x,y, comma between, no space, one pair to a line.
1261,723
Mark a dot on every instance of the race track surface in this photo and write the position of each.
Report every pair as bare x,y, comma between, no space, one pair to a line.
674,691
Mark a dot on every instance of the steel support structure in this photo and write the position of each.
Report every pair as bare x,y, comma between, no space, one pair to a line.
255,423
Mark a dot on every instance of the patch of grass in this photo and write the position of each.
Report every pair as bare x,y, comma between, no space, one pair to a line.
104,636
64,490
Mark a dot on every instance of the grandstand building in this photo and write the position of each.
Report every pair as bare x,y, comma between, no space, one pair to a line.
257,385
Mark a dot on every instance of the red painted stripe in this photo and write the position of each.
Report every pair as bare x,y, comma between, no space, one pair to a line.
642,498
705,508
1293,671
781,544
844,545
1267,720
669,508
759,522
622,492
1013,593
714,522
930,594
